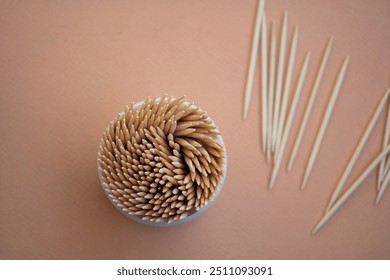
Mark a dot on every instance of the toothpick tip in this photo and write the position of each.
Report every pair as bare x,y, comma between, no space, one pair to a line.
318,226
304,182
271,182
378,198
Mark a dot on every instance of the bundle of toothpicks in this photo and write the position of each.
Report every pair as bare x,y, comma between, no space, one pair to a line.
278,109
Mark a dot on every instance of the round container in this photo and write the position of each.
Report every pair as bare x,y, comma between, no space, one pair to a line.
179,221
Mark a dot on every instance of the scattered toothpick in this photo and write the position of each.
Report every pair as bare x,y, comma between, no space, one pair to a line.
359,148
264,94
286,87
325,121
383,187
279,79
351,189
252,62
310,103
384,178
271,88
290,119
386,138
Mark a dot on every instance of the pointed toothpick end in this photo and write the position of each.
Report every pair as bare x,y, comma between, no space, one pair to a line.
378,198
378,184
289,166
315,230
271,183
327,209
305,179
318,226
303,186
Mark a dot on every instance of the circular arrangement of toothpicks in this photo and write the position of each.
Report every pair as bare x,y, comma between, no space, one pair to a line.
162,161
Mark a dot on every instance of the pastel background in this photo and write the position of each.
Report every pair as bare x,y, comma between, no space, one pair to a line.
68,67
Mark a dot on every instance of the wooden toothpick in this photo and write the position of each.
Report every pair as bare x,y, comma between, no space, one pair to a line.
286,87
386,138
252,62
325,121
279,79
310,103
264,93
384,185
351,189
290,119
271,88
359,149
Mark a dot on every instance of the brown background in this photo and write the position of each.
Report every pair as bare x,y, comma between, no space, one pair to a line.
68,67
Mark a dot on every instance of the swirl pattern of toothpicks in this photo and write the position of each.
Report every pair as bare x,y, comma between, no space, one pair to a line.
161,161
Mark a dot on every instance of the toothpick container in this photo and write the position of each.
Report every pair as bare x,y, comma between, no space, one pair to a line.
121,193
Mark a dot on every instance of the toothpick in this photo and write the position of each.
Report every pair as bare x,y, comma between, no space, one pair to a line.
287,84
359,149
351,189
290,119
271,88
279,79
384,185
386,139
325,121
310,103
252,63
264,102
387,165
